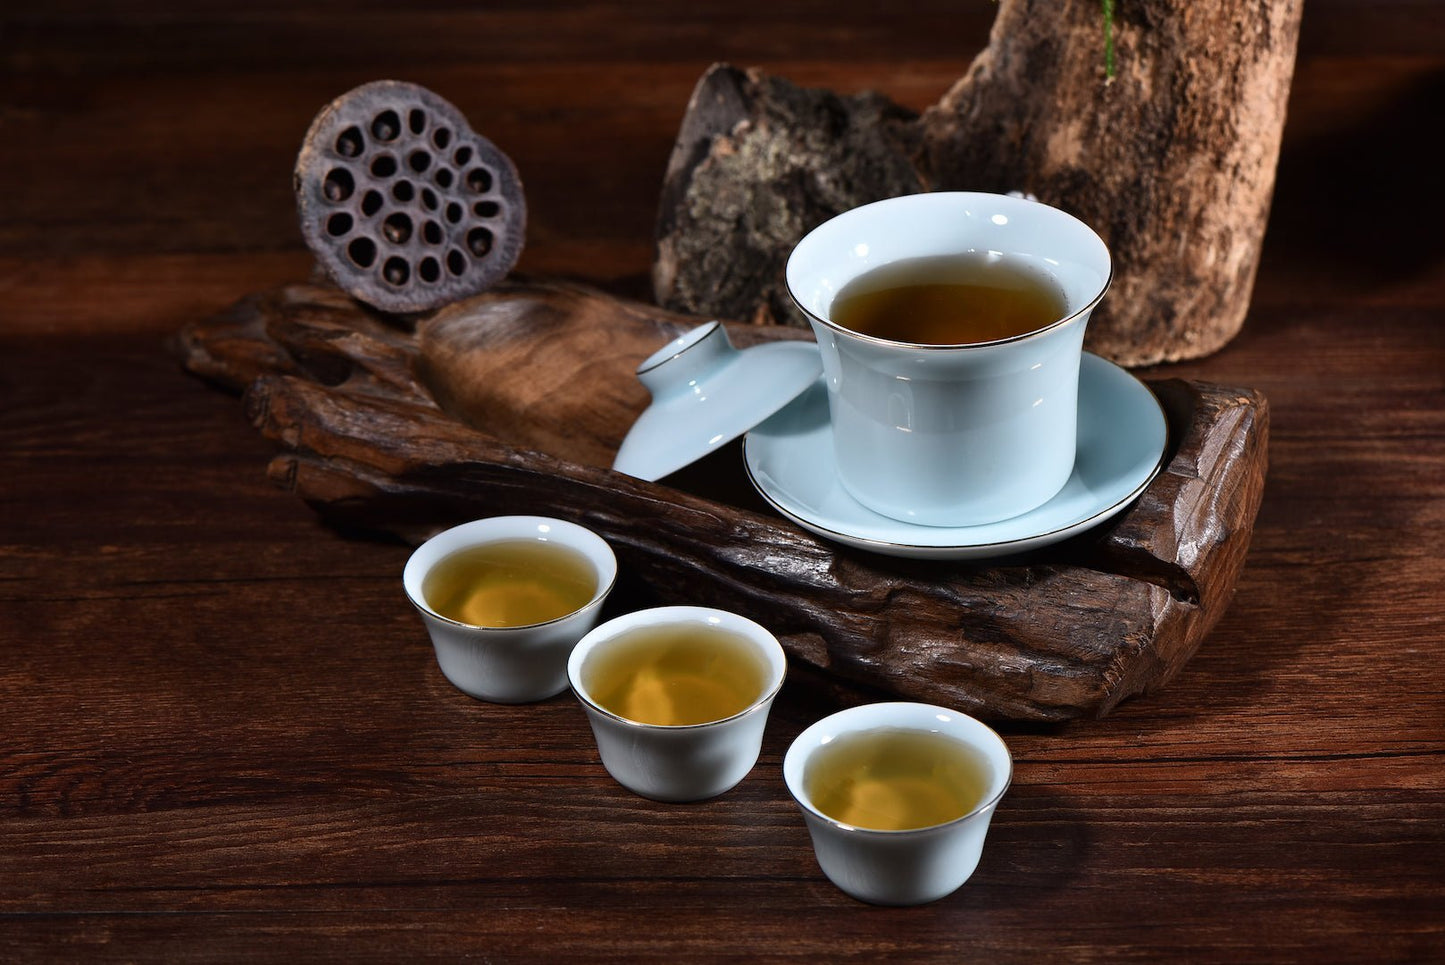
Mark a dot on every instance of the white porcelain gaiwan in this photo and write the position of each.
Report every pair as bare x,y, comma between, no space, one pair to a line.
961,434
705,393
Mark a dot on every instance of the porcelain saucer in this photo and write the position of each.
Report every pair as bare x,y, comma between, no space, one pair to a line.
1121,441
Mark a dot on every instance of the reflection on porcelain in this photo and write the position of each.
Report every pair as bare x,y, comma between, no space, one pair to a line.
509,665
705,393
899,867
687,762
952,435
1121,439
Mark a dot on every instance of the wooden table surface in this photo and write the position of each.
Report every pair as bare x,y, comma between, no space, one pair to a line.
223,735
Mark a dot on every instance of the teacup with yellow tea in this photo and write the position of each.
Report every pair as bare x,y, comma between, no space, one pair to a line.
678,697
504,599
897,797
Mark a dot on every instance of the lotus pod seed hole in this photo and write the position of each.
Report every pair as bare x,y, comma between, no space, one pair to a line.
431,233
486,209
338,224
456,261
441,137
383,166
403,191
430,270
454,212
349,143
428,199
396,228
417,120
386,126
396,271
443,178
419,161
338,185
371,202
479,240
362,252
463,155
479,180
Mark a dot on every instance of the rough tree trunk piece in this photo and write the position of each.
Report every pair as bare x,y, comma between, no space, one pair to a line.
757,163
1064,633
1172,161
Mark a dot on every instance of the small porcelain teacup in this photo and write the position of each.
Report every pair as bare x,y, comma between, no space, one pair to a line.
678,698
507,661
958,434
905,865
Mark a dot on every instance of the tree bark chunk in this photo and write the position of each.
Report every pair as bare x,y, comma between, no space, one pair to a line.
1172,161
757,163
406,432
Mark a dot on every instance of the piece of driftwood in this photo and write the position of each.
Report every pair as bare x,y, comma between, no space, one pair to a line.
514,402
1172,161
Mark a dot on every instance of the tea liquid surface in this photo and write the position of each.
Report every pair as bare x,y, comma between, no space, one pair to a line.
510,583
949,300
676,675
893,779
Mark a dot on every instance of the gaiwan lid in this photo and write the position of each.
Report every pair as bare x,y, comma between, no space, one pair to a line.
705,393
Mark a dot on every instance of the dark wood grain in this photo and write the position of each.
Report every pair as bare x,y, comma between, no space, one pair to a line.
222,733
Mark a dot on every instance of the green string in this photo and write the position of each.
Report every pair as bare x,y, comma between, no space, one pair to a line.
1109,39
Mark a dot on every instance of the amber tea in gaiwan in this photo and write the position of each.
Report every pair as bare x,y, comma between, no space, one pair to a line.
676,675
954,299
510,583
893,779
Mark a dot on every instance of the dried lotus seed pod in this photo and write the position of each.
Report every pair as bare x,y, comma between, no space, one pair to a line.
404,205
